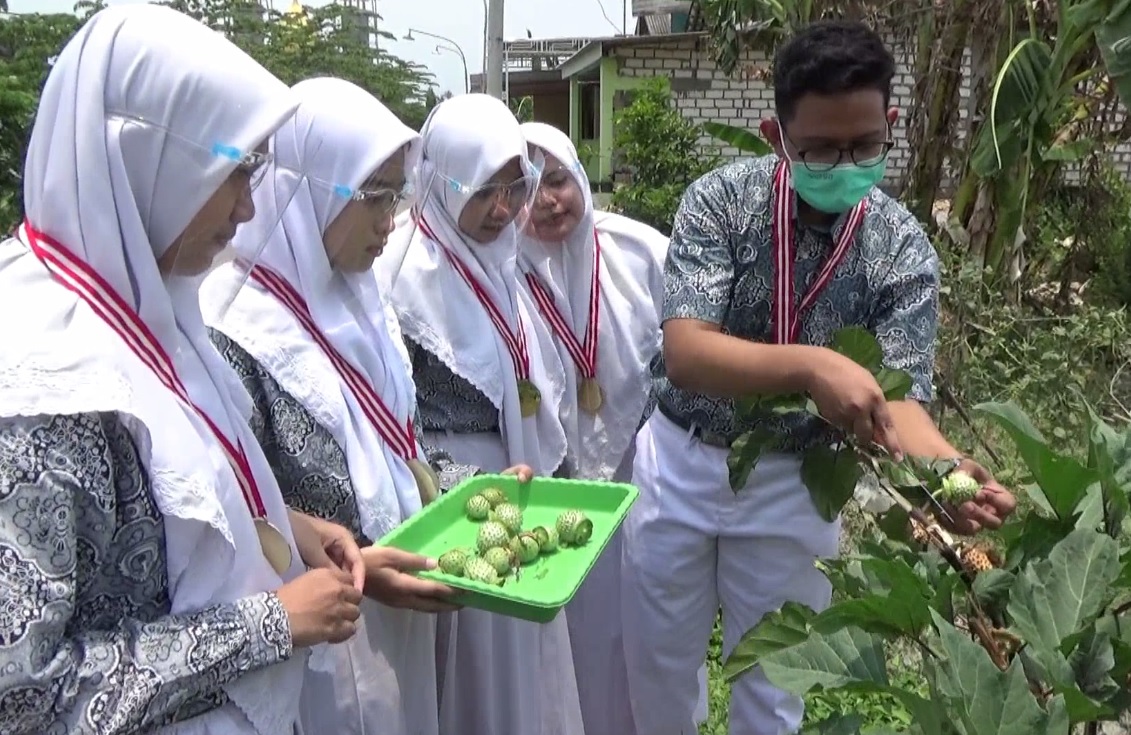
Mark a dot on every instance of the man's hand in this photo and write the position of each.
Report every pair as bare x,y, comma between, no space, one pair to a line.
525,474
326,545
387,581
989,508
848,396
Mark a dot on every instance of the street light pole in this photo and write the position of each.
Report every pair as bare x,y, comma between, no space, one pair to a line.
453,47
494,70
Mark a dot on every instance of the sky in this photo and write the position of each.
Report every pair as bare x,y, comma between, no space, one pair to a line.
459,20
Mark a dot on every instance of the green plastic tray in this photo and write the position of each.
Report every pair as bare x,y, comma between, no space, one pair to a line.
546,584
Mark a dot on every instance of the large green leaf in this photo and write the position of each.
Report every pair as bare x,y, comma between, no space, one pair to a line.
848,657
860,346
740,138
1108,457
785,627
1057,597
981,699
1062,479
1021,88
899,603
1091,661
831,476
1113,36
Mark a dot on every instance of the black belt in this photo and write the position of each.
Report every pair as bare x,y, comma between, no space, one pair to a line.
713,438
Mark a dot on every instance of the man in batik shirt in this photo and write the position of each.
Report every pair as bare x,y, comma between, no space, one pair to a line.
768,259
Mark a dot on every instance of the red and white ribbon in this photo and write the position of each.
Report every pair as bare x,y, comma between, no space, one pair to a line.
787,318
516,343
401,437
584,353
78,277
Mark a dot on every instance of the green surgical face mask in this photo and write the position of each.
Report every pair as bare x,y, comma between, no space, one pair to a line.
838,189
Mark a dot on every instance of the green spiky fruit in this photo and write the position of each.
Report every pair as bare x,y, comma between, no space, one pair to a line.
574,528
494,496
453,562
959,487
480,570
525,547
510,515
478,507
491,535
499,558
547,537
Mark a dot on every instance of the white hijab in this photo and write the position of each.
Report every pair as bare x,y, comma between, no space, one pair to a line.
468,139
117,195
339,136
631,281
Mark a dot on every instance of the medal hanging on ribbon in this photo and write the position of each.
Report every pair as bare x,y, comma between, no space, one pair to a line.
79,278
786,319
590,397
400,436
529,397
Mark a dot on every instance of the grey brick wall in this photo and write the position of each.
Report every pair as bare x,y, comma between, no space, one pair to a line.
702,93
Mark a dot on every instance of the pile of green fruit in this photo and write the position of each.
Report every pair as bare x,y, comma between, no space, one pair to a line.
502,546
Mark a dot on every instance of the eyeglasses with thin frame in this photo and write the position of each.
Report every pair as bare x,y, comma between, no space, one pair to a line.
863,154
383,200
514,194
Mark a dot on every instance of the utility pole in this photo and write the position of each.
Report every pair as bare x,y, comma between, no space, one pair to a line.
494,70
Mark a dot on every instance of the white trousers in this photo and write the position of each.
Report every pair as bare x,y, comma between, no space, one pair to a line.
500,675
692,545
596,633
383,680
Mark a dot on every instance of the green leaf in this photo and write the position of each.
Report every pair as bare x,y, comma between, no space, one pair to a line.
785,627
860,346
1062,479
846,657
780,405
991,587
1069,152
740,138
1109,457
1056,597
895,384
1113,36
743,457
831,476
981,699
1091,661
899,605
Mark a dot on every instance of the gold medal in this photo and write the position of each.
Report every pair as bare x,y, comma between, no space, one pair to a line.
274,544
590,396
529,398
427,481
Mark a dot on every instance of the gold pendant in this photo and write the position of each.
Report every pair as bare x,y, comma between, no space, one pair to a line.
274,544
590,396
529,398
427,481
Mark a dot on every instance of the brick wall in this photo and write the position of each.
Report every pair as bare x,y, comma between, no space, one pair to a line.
702,93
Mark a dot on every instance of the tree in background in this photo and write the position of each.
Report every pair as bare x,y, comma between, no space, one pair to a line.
325,41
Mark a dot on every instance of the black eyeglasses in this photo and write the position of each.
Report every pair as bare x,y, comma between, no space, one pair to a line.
864,154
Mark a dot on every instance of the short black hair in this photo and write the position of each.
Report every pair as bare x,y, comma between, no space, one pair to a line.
830,57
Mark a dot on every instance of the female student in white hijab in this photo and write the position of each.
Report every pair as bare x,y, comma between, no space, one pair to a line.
487,393
597,279
148,561
334,401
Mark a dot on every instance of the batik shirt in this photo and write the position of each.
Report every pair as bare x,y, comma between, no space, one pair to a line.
720,269
307,461
89,646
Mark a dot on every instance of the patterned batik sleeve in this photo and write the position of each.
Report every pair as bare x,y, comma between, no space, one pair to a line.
81,555
451,472
905,318
699,269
